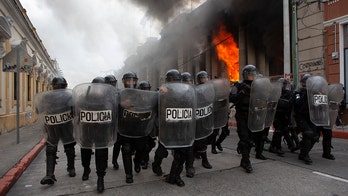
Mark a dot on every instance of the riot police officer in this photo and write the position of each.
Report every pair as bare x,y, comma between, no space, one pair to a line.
240,96
335,97
111,79
46,103
96,133
200,146
282,118
150,144
161,152
309,130
187,78
190,170
180,152
131,144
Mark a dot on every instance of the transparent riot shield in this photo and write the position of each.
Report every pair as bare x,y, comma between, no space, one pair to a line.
335,97
272,103
177,106
138,110
260,91
95,115
204,113
317,91
221,103
55,115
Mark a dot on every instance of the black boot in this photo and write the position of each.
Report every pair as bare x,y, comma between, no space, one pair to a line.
305,158
116,152
86,172
190,172
259,149
275,146
86,160
156,166
70,154
176,169
306,146
137,167
205,162
246,165
213,149
327,150
100,184
127,162
129,178
222,137
50,166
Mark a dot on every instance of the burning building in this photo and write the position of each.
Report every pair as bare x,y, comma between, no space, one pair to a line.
220,37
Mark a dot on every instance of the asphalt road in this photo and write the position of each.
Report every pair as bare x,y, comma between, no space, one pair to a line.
275,176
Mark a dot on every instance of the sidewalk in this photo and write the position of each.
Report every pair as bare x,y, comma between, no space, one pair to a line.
15,158
337,132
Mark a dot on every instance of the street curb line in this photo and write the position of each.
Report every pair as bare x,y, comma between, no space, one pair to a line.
335,133
11,177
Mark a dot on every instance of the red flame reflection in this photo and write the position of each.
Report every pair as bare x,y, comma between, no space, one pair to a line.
228,51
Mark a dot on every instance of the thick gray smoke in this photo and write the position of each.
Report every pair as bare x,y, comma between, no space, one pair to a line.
261,20
163,10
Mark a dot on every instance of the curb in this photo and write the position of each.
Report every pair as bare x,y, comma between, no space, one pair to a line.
335,133
11,177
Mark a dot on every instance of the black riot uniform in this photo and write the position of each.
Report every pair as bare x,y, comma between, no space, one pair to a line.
240,96
282,118
151,139
200,146
130,145
161,152
110,79
180,154
310,132
101,153
57,131
190,170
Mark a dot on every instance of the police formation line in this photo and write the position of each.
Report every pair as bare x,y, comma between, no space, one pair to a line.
183,117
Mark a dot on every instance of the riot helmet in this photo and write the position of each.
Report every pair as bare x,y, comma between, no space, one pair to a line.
144,85
111,79
285,84
130,80
173,75
187,78
202,77
249,72
304,79
98,80
59,83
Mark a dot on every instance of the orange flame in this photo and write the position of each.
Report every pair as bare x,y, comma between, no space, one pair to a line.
228,51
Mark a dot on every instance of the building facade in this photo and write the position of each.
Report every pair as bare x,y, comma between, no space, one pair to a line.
281,38
21,45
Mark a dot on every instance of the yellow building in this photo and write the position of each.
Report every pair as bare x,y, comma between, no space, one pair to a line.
20,44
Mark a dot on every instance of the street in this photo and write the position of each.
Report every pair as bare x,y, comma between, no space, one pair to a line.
275,176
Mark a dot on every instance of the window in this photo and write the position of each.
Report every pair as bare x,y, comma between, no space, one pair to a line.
37,86
29,88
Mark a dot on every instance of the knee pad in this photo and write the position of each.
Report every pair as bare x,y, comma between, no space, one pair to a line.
311,135
126,148
244,146
69,148
51,150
